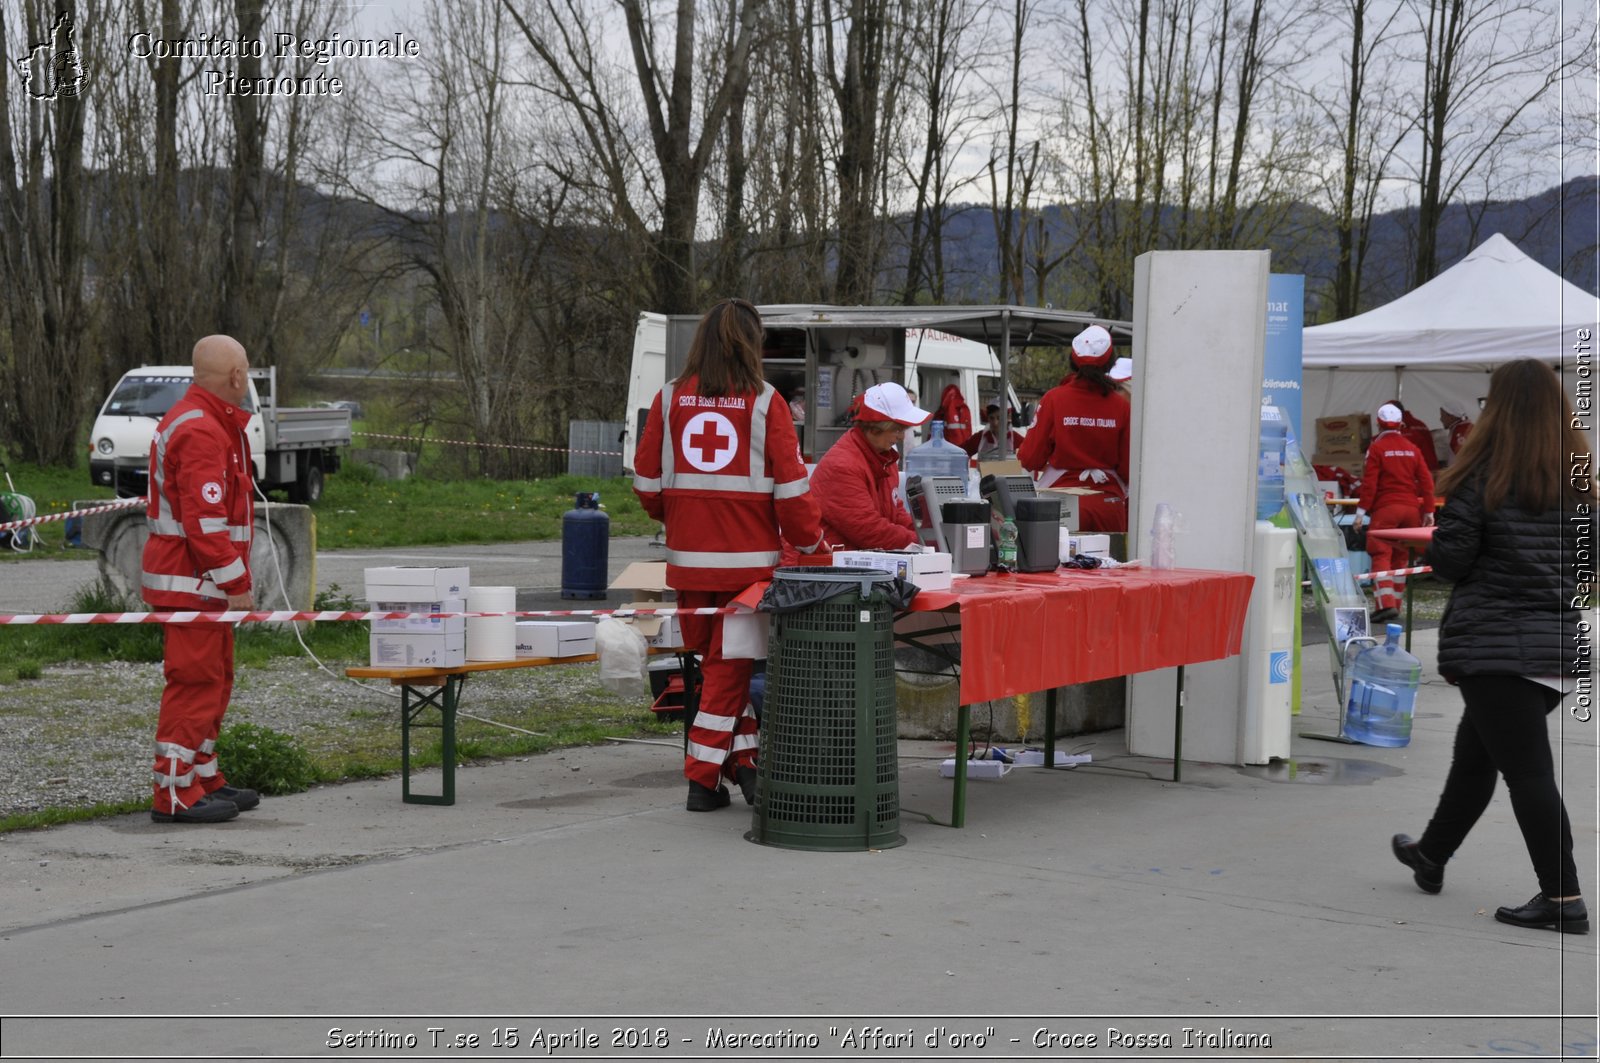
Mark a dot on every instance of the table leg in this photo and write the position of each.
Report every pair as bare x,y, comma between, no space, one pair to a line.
1049,728
413,701
958,800
1408,613
1177,731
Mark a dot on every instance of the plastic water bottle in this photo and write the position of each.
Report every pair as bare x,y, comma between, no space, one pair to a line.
1269,466
1383,693
936,458
1163,552
1008,544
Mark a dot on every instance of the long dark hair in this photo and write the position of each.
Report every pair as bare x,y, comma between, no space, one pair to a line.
1524,443
1097,375
725,355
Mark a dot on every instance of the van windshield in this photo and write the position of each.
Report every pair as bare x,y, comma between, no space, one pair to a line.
146,396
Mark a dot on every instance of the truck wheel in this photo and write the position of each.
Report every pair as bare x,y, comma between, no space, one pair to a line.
308,488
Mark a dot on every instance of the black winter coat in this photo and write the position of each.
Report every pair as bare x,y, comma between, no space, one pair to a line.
1512,611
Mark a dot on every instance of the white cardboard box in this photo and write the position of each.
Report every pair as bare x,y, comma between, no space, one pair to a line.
660,632
405,583
554,638
1088,544
929,571
442,626
413,650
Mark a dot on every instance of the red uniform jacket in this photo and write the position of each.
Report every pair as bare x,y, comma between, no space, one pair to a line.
201,511
1396,474
1458,435
855,485
1418,433
1078,428
724,475
955,414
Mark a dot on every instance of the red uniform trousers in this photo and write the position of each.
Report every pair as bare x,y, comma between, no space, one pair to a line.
199,671
724,735
1105,512
1386,555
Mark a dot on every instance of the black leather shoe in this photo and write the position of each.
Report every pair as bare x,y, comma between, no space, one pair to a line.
245,799
1429,876
208,809
705,799
1542,913
747,783
1385,614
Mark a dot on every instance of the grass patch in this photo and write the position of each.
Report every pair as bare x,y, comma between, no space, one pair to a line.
55,817
53,490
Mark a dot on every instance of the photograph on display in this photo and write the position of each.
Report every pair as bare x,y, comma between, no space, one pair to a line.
1349,623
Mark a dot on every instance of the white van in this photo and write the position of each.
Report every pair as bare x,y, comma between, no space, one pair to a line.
819,360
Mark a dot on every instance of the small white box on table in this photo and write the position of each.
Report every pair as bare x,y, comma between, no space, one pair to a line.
554,638
930,571
405,583
416,650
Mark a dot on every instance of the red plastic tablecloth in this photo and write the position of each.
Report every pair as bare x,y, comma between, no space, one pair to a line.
1027,632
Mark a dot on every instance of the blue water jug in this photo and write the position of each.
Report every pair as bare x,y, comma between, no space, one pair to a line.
1383,683
585,540
936,457
1269,466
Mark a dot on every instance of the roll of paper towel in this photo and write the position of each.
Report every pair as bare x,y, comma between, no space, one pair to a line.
491,638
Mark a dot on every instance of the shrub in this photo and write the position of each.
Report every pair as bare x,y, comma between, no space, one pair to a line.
29,670
263,759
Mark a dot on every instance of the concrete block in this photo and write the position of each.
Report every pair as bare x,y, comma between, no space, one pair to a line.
290,550
388,464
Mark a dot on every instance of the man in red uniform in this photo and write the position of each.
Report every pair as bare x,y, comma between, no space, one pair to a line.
1397,490
1081,435
197,557
1453,415
719,465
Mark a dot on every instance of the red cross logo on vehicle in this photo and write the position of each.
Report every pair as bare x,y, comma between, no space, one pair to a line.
709,441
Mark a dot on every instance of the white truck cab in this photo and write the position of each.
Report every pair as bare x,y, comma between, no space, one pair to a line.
290,449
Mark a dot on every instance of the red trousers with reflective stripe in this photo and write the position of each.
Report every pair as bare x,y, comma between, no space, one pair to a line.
1386,555
199,670
724,734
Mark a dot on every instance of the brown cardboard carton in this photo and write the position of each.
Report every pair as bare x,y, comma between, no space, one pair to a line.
1345,433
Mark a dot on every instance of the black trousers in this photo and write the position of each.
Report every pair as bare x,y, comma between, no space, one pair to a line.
1503,732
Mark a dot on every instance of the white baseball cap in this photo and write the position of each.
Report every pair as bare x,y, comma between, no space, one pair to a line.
1092,346
891,402
1389,413
1121,369
1454,407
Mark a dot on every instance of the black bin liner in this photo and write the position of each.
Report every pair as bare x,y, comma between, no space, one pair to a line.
794,589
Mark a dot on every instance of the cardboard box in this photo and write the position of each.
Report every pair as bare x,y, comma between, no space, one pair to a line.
554,638
1354,464
646,579
413,650
929,571
442,626
407,584
1345,433
660,632
1085,543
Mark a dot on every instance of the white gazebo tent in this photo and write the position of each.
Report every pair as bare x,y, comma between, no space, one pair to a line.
1440,340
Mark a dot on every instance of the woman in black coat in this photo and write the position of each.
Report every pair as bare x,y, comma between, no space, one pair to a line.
1517,507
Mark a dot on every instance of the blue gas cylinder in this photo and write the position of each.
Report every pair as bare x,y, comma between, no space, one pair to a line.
1269,464
1383,693
585,541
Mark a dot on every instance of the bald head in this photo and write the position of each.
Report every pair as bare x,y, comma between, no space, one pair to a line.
222,368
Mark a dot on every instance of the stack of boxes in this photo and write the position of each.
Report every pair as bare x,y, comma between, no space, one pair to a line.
647,582
418,643
1342,442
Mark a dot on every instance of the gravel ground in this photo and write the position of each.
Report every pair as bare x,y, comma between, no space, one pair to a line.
81,734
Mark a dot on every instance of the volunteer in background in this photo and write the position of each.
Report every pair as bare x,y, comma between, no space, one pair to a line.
955,414
1397,491
1419,433
1121,374
1509,539
985,446
1453,415
1081,435
719,465
856,479
201,513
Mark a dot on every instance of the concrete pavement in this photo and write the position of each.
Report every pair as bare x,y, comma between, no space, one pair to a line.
572,892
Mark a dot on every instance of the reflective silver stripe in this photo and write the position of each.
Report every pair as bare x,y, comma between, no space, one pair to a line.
709,754
668,470
174,780
173,749
159,474
208,746
712,722
240,533
710,481
719,559
792,489
183,584
758,437
205,771
213,525
749,741
641,483
164,527
229,572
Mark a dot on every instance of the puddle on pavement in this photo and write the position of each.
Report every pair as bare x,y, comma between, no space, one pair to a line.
1323,771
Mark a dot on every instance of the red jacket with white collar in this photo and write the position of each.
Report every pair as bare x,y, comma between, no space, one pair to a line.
855,486
1396,474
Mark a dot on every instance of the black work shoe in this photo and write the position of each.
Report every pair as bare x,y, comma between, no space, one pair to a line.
1542,913
1385,614
1429,876
245,799
747,783
705,799
208,809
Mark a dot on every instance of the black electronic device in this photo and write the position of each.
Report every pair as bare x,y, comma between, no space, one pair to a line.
925,497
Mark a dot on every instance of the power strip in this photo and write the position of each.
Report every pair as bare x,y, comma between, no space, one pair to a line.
1034,758
976,769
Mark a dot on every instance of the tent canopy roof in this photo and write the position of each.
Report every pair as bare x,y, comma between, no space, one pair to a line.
1028,325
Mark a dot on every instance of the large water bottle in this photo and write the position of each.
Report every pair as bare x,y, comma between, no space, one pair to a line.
1383,693
1269,466
936,457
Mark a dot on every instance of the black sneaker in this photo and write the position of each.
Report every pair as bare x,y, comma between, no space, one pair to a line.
1429,876
1385,614
1542,913
705,799
208,809
245,799
747,783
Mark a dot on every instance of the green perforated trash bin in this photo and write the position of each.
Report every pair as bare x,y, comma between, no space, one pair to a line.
828,776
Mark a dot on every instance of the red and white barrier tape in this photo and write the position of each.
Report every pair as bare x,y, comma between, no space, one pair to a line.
290,615
107,508
497,446
1366,577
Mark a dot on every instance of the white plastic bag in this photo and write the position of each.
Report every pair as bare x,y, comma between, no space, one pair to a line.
623,653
